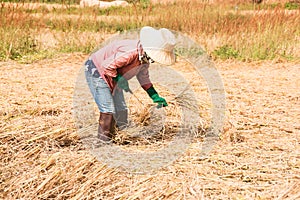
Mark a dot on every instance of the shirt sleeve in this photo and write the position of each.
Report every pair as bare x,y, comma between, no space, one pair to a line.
143,77
117,60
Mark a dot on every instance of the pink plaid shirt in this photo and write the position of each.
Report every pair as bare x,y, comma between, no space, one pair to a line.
122,57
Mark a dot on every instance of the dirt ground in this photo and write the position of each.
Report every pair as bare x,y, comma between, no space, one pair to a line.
257,157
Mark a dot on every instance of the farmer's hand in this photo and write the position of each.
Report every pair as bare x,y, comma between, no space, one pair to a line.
122,82
156,98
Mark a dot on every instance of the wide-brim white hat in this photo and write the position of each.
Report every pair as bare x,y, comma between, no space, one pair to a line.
158,44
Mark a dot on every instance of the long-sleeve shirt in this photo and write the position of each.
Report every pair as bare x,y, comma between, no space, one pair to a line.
122,57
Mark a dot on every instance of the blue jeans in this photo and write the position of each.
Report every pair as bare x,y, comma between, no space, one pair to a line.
106,102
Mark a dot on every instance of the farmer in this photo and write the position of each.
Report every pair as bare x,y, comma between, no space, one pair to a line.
108,69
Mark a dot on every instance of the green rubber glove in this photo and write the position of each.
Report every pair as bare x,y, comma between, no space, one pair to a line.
156,98
122,82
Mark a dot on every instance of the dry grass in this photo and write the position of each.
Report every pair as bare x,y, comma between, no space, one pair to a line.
146,118
257,157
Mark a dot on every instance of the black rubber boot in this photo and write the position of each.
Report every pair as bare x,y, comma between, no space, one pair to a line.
104,128
121,118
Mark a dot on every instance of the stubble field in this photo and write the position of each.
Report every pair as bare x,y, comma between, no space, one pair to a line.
257,156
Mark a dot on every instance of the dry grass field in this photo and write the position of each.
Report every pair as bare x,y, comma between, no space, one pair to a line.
257,156
258,152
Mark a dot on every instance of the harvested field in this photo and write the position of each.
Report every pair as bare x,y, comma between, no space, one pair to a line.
257,157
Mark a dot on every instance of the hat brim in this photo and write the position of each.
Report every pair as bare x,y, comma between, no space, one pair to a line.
160,56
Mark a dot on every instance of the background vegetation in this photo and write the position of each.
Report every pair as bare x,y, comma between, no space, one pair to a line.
245,31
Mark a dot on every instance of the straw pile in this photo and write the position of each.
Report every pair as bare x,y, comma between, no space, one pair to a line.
257,157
